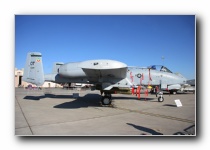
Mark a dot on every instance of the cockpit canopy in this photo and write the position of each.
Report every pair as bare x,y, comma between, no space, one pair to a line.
159,68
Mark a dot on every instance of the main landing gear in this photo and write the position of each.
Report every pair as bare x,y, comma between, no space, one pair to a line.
106,99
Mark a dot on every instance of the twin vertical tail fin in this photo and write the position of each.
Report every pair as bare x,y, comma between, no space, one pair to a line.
33,71
56,67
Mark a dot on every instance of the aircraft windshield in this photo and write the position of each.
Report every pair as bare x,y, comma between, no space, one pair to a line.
159,68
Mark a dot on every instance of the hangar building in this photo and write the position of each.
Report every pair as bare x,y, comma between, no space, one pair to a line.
20,83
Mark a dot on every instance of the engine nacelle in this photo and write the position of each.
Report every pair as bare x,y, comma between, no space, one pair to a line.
71,70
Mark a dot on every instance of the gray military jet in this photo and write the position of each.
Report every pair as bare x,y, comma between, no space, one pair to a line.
108,76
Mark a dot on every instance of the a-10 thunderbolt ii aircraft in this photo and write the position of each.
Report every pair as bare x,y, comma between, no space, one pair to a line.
108,76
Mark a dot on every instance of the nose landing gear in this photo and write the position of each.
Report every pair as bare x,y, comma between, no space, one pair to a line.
160,97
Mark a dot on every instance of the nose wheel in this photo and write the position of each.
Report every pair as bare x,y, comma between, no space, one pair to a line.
160,97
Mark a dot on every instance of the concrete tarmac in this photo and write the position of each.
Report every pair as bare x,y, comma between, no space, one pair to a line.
56,112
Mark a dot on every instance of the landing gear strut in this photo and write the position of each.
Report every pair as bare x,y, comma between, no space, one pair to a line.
106,99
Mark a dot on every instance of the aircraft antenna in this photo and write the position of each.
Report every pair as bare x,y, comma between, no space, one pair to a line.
163,59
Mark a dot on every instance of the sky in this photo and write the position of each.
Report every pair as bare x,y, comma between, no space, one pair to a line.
136,40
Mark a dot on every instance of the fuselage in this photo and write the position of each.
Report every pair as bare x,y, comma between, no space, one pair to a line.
108,74
146,76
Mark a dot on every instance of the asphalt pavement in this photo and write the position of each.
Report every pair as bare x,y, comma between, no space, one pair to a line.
61,112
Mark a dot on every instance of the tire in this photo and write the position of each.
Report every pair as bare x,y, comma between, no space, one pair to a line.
160,99
106,100
173,92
